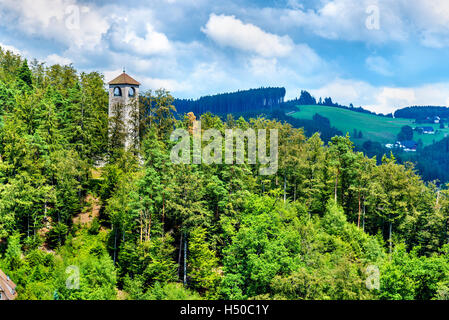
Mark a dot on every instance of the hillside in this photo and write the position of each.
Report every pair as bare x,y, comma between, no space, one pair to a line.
146,227
375,128
240,101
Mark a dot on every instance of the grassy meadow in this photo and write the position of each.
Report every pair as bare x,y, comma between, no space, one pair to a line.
374,128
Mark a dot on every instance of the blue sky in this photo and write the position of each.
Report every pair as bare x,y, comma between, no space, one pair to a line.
380,54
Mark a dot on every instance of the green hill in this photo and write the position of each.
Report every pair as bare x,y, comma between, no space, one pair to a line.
374,128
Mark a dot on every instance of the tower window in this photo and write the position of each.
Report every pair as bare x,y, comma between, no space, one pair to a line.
131,92
117,92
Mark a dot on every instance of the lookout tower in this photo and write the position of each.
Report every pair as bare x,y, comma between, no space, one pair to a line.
124,94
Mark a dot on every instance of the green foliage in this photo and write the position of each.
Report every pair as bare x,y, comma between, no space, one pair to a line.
310,231
203,264
24,75
347,121
97,275
408,276
39,274
172,291
405,134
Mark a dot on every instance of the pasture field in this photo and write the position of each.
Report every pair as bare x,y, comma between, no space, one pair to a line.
374,128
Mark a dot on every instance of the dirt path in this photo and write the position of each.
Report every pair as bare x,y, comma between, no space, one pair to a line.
91,212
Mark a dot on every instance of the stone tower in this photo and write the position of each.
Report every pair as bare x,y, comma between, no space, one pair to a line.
124,93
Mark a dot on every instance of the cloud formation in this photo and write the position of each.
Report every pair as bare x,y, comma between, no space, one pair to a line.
199,47
66,21
384,99
152,42
229,31
399,20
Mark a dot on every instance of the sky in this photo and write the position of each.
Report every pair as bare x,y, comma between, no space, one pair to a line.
379,54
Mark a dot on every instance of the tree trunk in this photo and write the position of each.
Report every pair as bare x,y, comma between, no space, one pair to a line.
364,211
185,259
360,211
141,228
163,213
141,223
285,189
294,193
179,257
447,231
149,228
59,233
115,243
335,189
391,225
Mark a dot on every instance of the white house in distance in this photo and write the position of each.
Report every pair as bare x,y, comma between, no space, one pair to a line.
426,130
407,146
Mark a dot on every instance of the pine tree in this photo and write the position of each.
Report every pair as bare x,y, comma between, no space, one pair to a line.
24,74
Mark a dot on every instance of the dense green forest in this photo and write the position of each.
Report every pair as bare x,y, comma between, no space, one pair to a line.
422,112
317,124
240,101
432,161
324,227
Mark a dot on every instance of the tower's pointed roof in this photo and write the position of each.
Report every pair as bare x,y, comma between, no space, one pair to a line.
124,78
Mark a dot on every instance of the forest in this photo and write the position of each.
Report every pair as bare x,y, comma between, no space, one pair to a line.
422,112
331,224
433,161
306,98
240,101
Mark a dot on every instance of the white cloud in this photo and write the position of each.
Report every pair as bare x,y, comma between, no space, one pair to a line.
383,99
430,21
66,21
152,83
347,20
127,40
389,99
160,53
187,2
157,83
266,59
110,75
379,65
57,59
263,66
345,91
13,49
295,4
423,21
231,32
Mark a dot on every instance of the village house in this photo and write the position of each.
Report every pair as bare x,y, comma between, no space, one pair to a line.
7,287
433,120
425,130
407,146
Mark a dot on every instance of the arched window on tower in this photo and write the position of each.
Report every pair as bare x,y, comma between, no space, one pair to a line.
131,92
117,92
